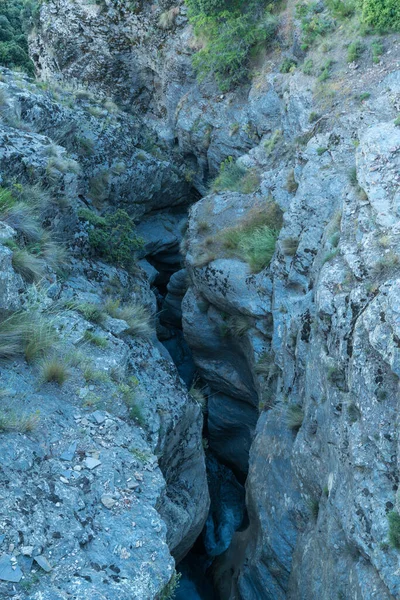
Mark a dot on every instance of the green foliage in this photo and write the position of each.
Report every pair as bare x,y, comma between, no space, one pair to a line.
314,25
236,178
313,507
231,30
354,51
364,96
113,236
394,529
308,67
381,15
377,51
397,121
26,333
91,312
288,65
254,239
342,9
30,267
15,18
96,340
169,591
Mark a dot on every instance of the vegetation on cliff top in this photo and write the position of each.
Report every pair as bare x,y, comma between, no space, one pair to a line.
15,17
231,30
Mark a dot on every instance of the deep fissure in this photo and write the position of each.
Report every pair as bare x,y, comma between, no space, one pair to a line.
227,515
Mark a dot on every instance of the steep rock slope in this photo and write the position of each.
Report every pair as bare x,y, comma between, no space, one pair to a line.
103,475
311,340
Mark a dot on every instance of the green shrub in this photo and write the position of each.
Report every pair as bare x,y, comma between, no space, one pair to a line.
342,9
113,236
91,312
381,15
354,51
314,25
168,593
377,51
288,65
15,17
308,67
394,529
231,31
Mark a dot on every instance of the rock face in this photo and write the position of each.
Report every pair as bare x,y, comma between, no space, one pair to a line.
300,358
320,487
103,478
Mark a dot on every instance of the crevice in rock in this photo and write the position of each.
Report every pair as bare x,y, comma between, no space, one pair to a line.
226,479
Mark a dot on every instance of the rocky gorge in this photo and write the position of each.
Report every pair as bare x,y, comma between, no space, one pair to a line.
171,405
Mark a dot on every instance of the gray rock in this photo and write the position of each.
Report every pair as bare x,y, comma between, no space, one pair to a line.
9,570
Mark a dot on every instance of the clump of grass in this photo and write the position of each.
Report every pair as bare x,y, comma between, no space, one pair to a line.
377,51
294,417
91,312
354,51
394,529
21,423
41,337
313,507
93,375
198,396
96,340
290,245
113,236
321,150
62,165
258,247
135,314
169,591
26,333
30,267
397,121
236,325
288,65
313,117
135,411
308,67
387,263
232,176
291,183
342,9
167,19
99,186
53,369
265,365
364,96
203,227
330,256
271,143
254,239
